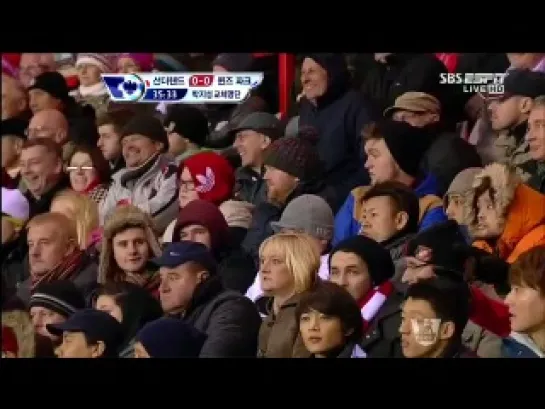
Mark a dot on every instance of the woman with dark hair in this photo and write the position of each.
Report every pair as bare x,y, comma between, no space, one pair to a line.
330,322
132,306
89,172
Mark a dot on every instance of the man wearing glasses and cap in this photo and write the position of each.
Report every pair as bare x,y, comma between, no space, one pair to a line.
509,112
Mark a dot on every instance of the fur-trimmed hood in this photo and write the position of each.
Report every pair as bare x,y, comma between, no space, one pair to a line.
123,217
521,209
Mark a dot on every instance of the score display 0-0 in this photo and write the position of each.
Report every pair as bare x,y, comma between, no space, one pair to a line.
188,88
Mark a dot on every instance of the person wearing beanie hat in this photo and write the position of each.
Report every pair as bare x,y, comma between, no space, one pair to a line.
54,303
337,113
88,333
13,137
309,214
207,176
364,268
394,152
168,338
187,130
457,193
135,62
253,136
92,89
150,179
200,221
48,91
192,291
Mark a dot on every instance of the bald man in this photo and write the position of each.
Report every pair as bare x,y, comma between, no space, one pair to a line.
34,64
53,254
51,124
14,98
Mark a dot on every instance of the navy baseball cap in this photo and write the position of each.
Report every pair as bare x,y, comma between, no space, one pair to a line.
95,324
176,254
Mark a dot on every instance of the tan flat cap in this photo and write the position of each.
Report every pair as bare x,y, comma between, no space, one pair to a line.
415,102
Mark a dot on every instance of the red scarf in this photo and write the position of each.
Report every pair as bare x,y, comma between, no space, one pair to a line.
373,302
63,271
91,186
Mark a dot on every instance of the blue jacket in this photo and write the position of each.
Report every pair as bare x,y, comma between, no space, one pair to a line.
346,226
519,346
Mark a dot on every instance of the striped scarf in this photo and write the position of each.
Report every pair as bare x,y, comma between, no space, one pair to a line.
373,301
148,280
63,271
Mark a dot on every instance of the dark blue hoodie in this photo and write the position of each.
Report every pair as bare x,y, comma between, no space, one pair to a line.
338,117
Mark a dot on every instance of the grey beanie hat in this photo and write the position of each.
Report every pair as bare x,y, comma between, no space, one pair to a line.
307,213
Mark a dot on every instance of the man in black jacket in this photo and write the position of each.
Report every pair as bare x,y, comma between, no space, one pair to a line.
191,290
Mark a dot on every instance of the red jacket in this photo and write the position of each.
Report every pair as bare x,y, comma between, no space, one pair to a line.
490,314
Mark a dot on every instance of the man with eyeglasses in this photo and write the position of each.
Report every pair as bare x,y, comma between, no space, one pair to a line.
34,64
509,112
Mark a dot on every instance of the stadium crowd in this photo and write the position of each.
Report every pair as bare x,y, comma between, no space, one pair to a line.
384,215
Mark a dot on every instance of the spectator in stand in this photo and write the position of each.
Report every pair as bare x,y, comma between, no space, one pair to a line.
132,306
527,61
13,138
187,130
128,63
526,303
110,126
202,222
54,303
434,316
169,338
32,65
18,319
54,255
390,215
52,124
455,199
338,115
292,168
288,267
150,179
309,214
364,268
330,323
223,118
88,334
436,252
191,291
448,154
536,142
15,212
14,99
128,243
252,137
204,176
49,91
394,153
92,90
42,173
504,216
81,210
89,172
510,113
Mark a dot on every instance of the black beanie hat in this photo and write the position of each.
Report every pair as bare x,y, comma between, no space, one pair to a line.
407,144
171,338
63,297
187,121
148,126
379,262
296,156
442,239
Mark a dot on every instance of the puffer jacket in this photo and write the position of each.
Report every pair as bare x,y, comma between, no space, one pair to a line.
152,187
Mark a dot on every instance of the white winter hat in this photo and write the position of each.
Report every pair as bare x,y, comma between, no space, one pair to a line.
15,204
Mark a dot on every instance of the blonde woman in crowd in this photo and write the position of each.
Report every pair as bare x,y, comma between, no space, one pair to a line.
289,264
82,210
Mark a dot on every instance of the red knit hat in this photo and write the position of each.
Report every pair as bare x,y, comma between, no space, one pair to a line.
213,176
9,340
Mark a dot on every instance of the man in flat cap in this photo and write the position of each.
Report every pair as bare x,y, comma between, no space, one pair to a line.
509,112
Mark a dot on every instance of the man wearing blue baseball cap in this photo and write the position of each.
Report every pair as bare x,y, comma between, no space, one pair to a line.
192,291
88,334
